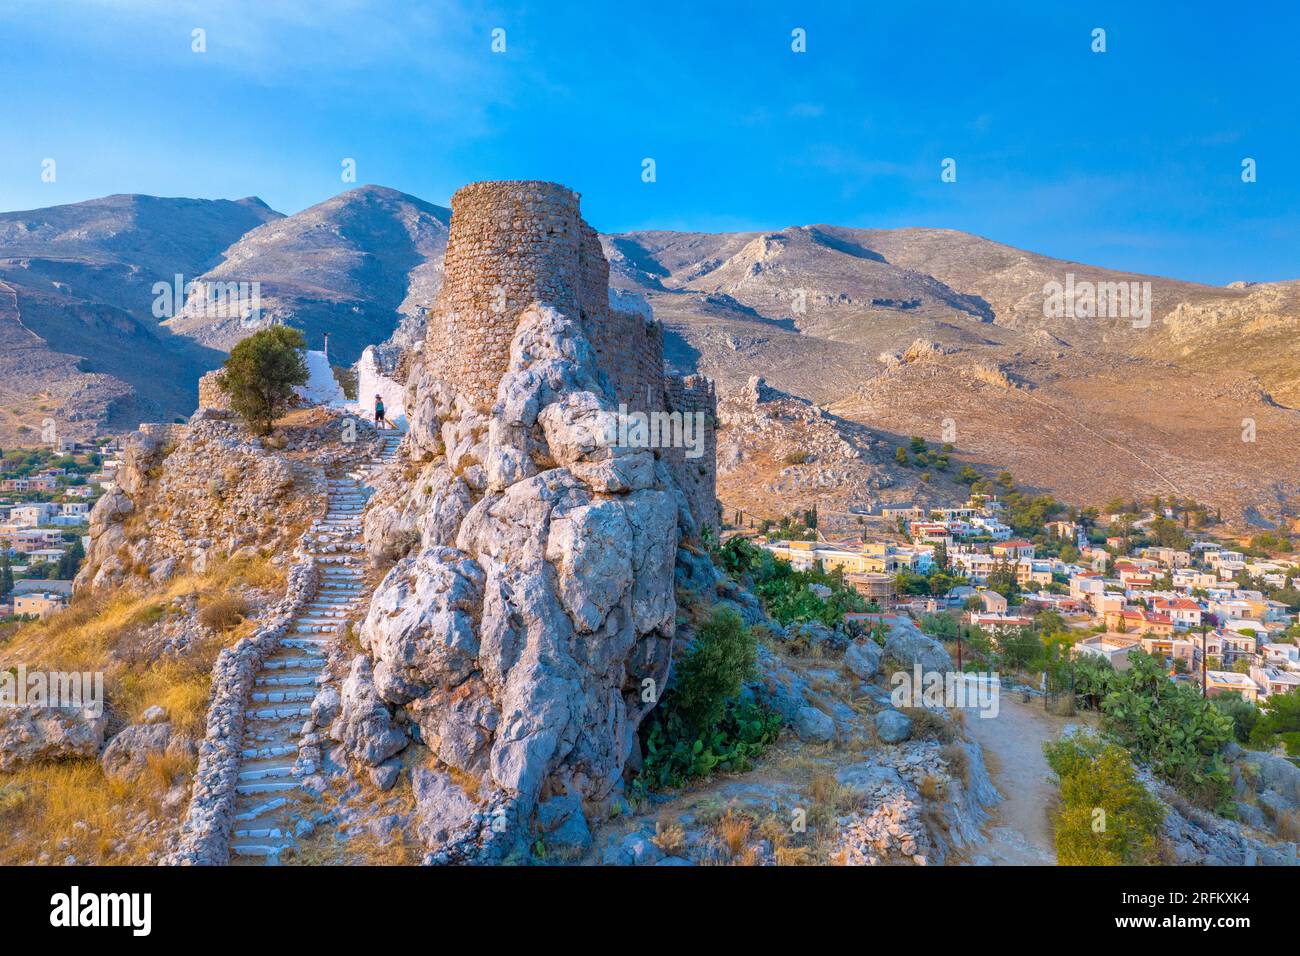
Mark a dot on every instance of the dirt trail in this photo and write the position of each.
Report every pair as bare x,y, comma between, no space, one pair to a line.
1019,831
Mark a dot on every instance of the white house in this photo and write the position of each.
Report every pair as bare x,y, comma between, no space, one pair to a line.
1281,655
32,515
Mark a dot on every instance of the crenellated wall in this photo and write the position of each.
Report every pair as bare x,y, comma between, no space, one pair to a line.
697,477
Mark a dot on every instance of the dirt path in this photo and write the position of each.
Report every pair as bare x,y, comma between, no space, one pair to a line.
1019,831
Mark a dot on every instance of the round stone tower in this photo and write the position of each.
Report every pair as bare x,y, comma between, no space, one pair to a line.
511,243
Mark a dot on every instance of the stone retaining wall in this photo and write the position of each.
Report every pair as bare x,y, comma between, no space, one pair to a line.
205,833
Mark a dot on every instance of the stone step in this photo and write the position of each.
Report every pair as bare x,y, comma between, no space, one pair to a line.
261,809
276,713
260,833
289,695
281,679
269,772
271,732
299,662
266,786
304,642
269,851
264,753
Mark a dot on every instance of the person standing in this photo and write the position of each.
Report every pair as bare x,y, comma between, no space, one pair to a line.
379,413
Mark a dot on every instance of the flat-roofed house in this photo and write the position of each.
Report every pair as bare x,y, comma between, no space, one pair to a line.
1115,648
1227,682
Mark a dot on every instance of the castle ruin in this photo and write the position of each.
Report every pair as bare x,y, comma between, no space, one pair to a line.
522,242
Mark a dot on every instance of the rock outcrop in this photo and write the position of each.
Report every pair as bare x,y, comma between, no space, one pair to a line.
35,734
532,593
186,495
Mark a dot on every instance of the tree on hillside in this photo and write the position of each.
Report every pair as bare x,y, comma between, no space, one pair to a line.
261,373
6,575
70,562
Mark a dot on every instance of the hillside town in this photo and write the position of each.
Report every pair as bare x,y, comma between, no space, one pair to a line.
1219,616
46,498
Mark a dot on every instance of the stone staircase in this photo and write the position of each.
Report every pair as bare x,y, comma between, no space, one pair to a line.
267,791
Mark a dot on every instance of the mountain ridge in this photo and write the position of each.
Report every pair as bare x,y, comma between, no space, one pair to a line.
822,312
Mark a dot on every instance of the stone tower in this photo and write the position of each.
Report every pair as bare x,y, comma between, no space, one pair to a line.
514,243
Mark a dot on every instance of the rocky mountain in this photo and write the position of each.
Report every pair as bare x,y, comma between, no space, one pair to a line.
1144,394
1192,396
358,266
779,454
79,341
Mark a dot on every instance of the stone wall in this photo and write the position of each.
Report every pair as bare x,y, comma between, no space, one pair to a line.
210,393
205,832
630,351
696,476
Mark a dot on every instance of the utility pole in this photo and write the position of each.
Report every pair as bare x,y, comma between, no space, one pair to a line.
1205,653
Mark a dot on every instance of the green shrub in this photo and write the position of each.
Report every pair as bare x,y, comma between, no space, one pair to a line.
261,373
1243,713
1279,720
1172,729
1106,817
674,754
720,661
702,724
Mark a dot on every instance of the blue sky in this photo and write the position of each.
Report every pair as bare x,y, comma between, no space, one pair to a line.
1129,158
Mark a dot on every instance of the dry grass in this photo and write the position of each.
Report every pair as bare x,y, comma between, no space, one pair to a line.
223,611
44,805
669,837
795,856
958,762
931,787
747,857
828,800
1288,826
734,829
930,723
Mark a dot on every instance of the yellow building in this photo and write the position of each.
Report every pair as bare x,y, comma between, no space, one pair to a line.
39,604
